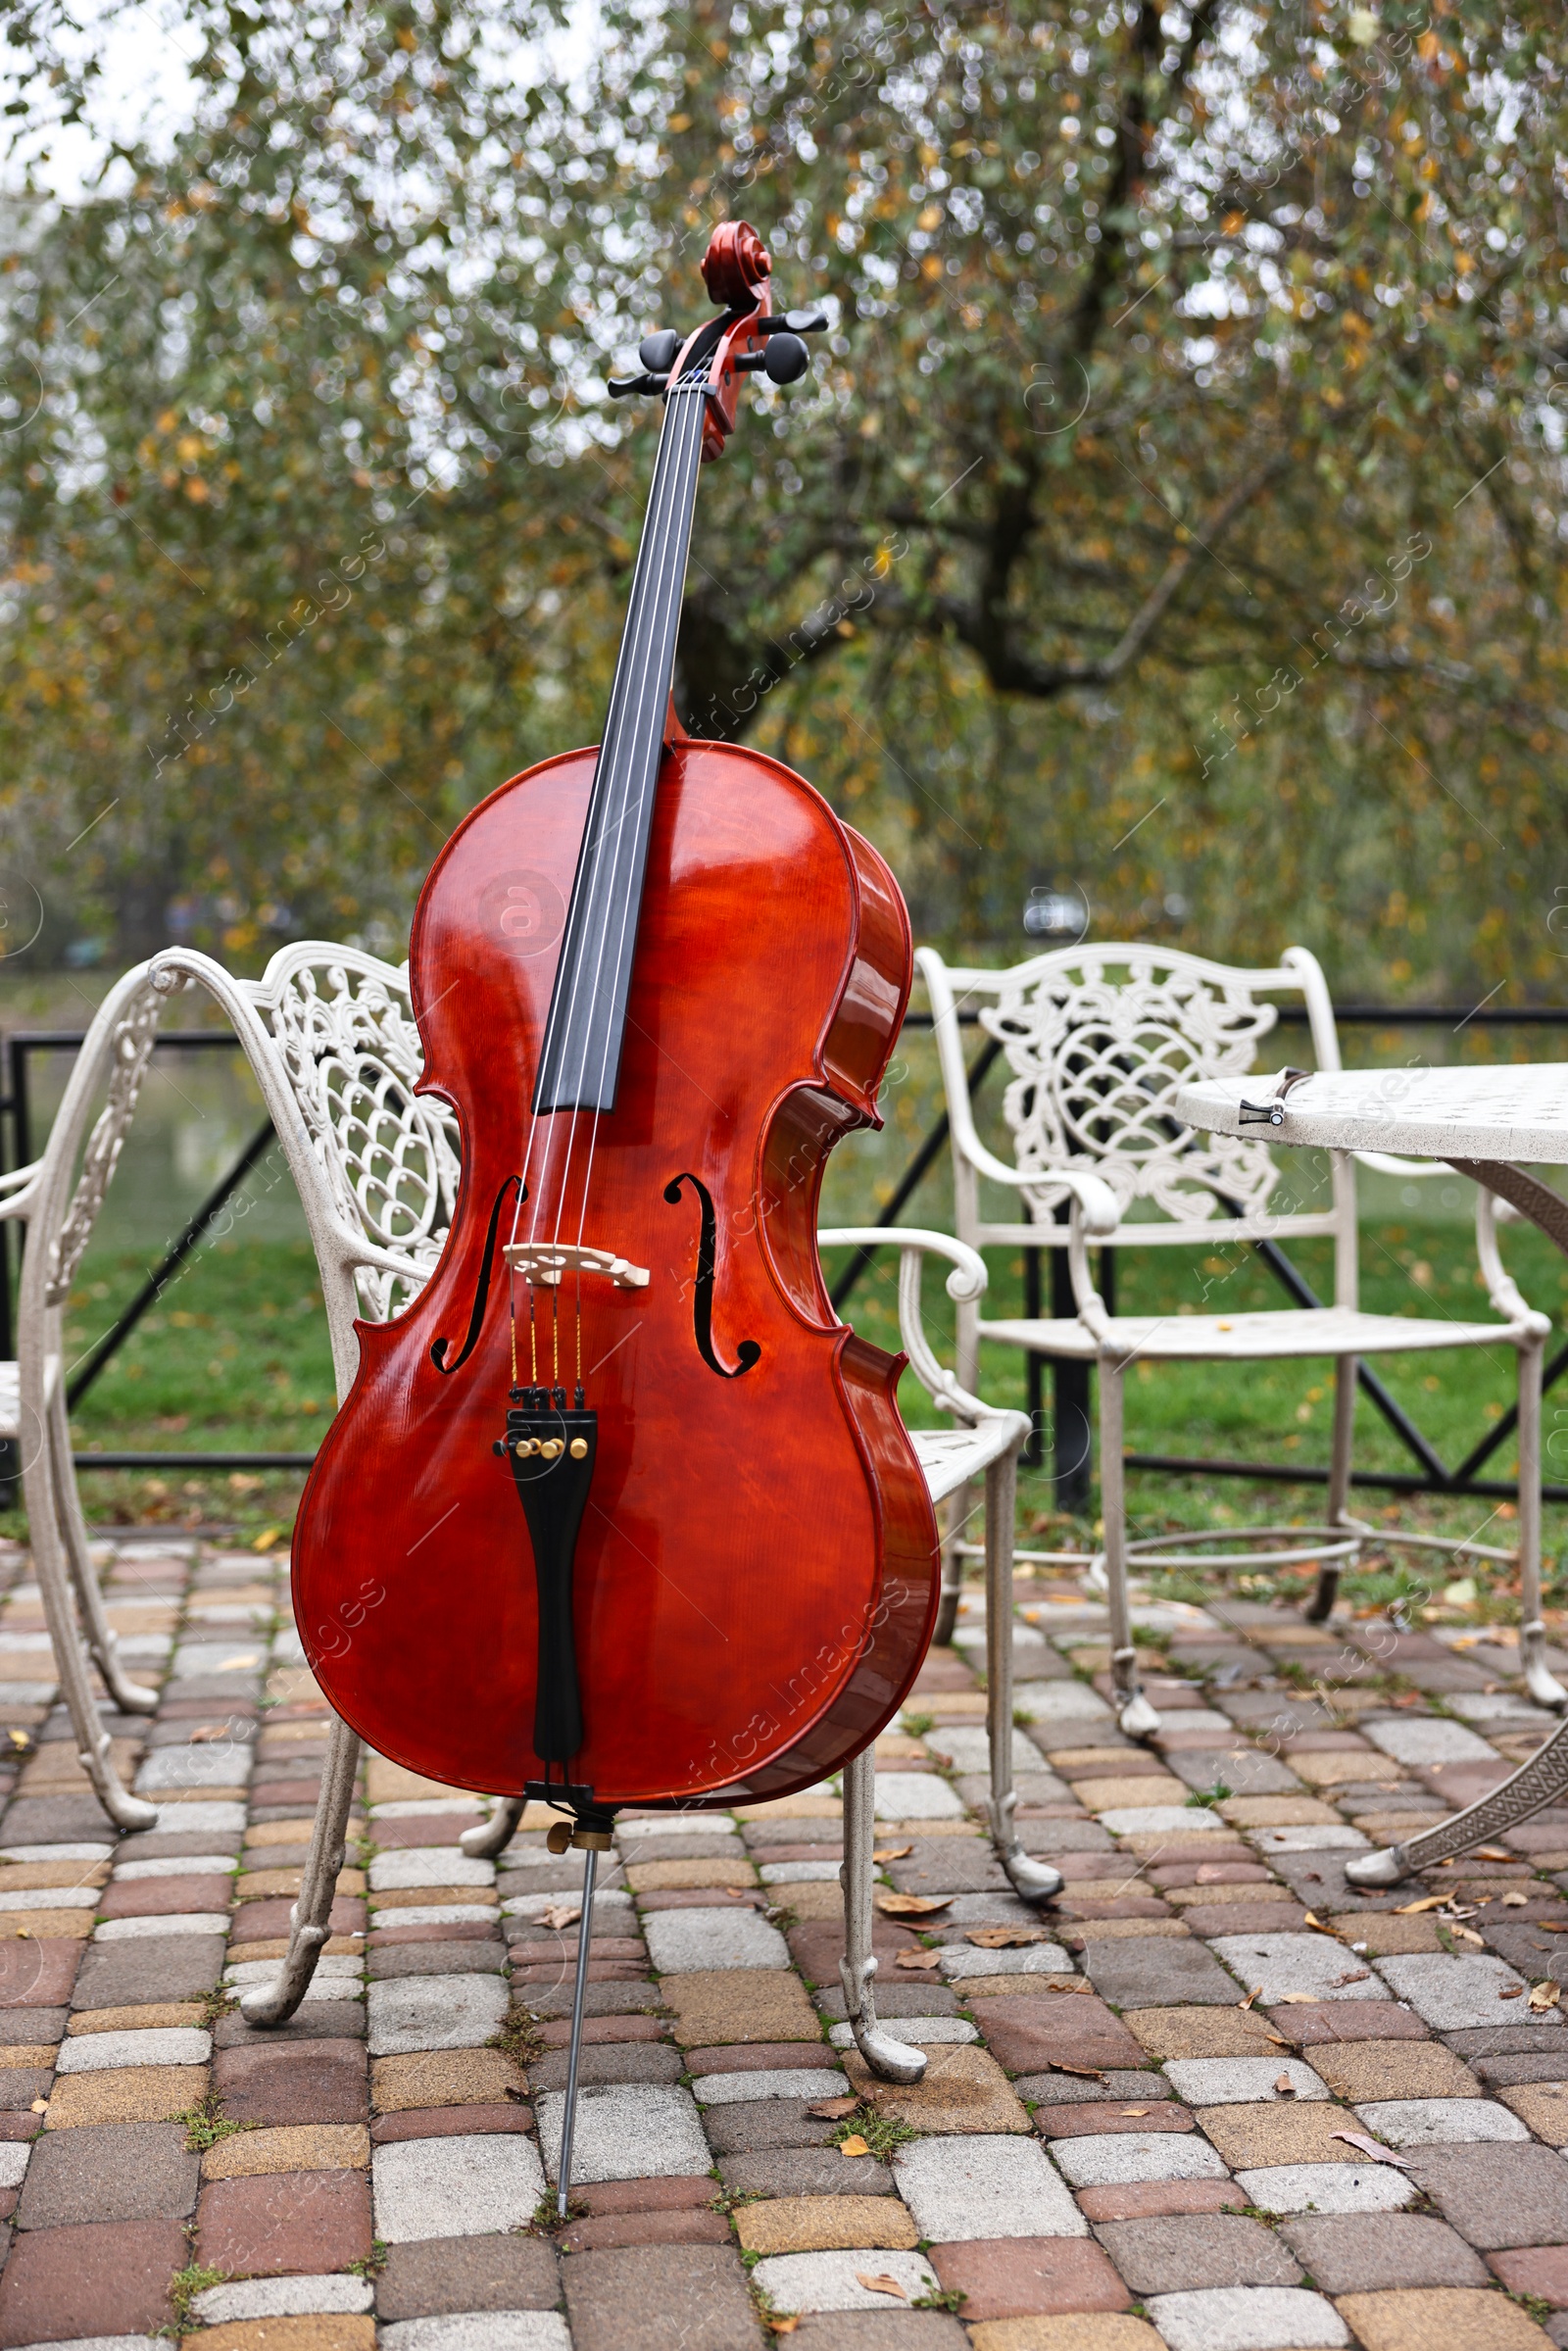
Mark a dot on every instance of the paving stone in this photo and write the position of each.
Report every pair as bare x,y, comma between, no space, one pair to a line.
282,2298
633,2130
296,2148
1498,2197
1025,2034
974,2187
133,2172
268,2084
97,2052
38,1974
1542,2106
600,2197
1350,2187
826,2225
1539,2270
1236,2080
613,2061
1347,2021
1274,1964
1013,2276
1367,2252
293,2221
146,2093
435,2012
1184,2255
1085,2331
963,2091
1431,2122
763,2125
740,2004
431,2276
963,1961
1158,2199
79,2284
1260,2137
1070,2089
1418,1739
467,2331
764,2056
449,2122
384,1965
1090,2118
1248,2318
1459,1991
1151,1973
684,1942
895,1999
1372,2069
1507,2041
1110,2161
1182,2033
803,2172
654,2297
153,1967
460,2186
803,2281
444,2078
1435,2319
1504,2072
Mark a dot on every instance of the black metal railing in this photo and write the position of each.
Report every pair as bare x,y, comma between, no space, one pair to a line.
1069,1379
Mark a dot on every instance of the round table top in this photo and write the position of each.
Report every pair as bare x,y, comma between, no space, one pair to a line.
1517,1110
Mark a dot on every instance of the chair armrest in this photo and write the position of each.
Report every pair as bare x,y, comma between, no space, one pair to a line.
14,1187
965,1282
1503,1292
1092,1194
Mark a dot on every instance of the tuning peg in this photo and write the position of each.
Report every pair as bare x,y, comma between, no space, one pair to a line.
785,358
626,387
657,352
795,322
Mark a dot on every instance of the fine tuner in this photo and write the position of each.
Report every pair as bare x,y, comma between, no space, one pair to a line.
783,357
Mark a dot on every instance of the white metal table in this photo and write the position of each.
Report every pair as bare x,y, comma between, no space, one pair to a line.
1490,1125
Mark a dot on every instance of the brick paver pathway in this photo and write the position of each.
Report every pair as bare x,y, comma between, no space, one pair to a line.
1219,2100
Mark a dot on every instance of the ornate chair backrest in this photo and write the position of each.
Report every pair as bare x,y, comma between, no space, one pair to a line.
331,1034
1095,1038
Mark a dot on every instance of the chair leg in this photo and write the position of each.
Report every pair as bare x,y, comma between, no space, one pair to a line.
958,1513
310,1922
1321,1605
40,1480
1135,1714
892,2060
1542,1683
486,1839
1034,1880
129,1697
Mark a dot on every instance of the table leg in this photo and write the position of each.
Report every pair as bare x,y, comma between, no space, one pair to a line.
1544,1776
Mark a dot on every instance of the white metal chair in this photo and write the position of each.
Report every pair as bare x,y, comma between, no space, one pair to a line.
60,1198
1095,1038
331,1039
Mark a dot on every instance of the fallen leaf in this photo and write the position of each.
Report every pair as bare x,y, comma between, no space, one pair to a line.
518,2097
880,2284
1407,1910
1085,2072
1279,2040
853,2146
39,2106
891,1853
1545,1995
1369,2146
736,1894
562,1914
783,2326
1252,1996
1077,1984
1494,1853
1310,1919
1006,1938
1130,2110
919,1959
1516,1993
1515,1900
833,2110
1285,2087
205,1733
911,1906
1357,1976
1467,1934
1299,2000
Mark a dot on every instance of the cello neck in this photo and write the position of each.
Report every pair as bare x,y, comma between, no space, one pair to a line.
580,1061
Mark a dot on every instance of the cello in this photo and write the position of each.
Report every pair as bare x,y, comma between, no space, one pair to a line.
649,1529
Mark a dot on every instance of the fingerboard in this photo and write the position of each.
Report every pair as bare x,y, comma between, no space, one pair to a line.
579,1066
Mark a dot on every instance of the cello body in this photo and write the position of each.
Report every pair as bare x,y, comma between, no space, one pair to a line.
755,1574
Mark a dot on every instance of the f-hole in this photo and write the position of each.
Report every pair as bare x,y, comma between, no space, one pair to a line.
747,1352
481,1289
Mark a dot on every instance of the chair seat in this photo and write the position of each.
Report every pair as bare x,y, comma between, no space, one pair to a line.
951,1458
10,1400
1252,1338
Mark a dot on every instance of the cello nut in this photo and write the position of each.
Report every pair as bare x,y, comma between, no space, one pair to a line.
579,1448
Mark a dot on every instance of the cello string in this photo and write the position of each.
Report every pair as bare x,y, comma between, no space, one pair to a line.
647,660
660,645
